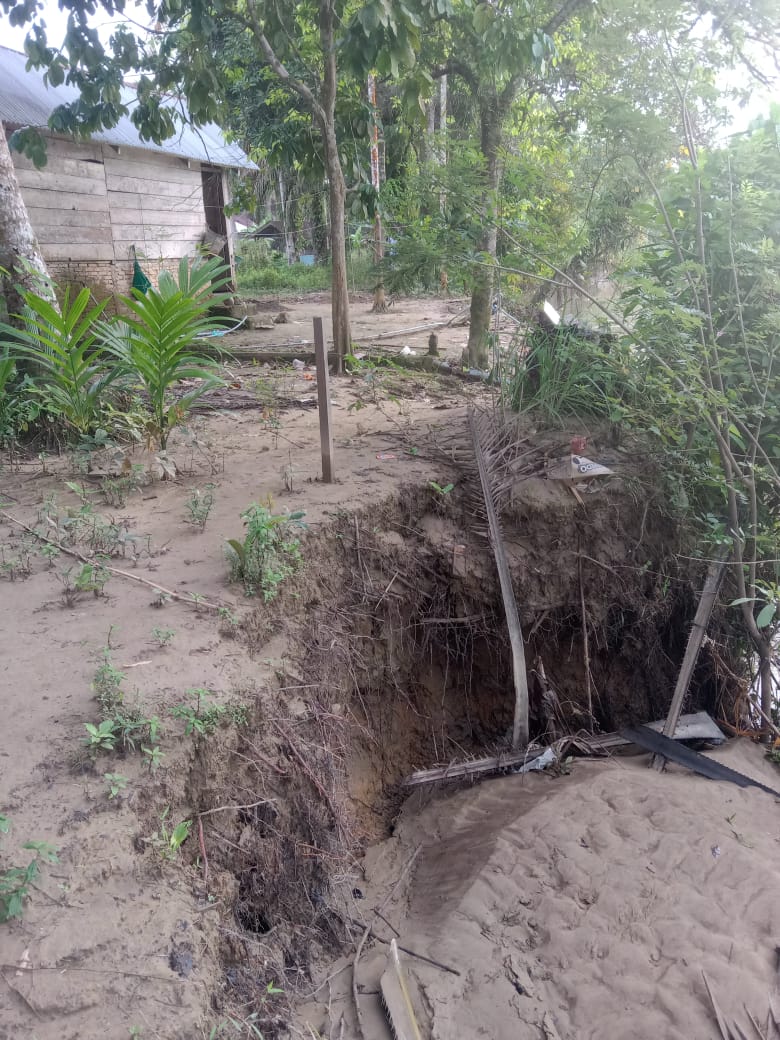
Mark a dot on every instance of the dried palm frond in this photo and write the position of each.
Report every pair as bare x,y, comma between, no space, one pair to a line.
490,453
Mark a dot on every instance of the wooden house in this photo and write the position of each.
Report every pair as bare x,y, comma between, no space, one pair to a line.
99,203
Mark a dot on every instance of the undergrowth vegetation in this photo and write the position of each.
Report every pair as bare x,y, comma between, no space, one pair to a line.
261,269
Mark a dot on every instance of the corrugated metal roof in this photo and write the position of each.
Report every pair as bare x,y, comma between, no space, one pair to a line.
25,100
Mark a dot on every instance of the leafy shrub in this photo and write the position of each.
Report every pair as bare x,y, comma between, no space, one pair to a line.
563,374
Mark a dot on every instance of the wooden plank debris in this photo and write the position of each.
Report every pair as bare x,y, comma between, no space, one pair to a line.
657,743
698,726
695,639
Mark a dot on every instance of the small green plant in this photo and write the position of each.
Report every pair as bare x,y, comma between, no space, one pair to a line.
107,685
15,560
90,577
15,882
50,553
116,489
167,843
443,491
268,554
199,506
163,636
228,622
115,782
135,1032
102,737
72,373
154,756
202,718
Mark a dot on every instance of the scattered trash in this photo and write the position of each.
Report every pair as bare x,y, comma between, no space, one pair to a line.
547,758
578,445
573,468
386,456
408,352
298,365
715,850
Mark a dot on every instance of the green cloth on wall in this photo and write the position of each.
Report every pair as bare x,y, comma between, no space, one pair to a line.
140,281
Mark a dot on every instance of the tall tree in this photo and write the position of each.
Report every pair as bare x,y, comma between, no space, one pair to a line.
21,263
496,51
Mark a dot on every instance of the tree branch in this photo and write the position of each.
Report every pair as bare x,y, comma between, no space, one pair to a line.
456,68
294,84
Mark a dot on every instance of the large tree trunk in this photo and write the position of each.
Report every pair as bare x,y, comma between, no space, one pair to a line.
21,264
482,290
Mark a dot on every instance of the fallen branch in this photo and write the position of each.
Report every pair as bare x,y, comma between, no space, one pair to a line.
112,570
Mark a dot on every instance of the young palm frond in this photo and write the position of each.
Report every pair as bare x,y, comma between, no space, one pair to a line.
71,371
155,343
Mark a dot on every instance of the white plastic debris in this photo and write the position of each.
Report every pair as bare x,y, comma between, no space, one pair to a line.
547,758
298,365
408,352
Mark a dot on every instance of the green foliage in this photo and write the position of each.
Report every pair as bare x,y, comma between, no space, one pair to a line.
18,406
68,359
562,374
202,718
156,342
154,756
443,491
15,882
163,636
107,685
268,555
101,737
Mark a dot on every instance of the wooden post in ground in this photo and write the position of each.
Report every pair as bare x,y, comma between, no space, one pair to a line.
323,402
695,639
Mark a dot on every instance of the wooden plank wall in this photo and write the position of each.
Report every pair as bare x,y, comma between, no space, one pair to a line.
90,203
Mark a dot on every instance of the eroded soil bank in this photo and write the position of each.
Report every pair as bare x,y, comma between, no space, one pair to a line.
386,653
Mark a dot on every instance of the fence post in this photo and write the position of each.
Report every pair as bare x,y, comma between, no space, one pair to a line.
323,401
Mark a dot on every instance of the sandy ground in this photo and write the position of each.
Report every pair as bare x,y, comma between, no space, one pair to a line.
582,906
